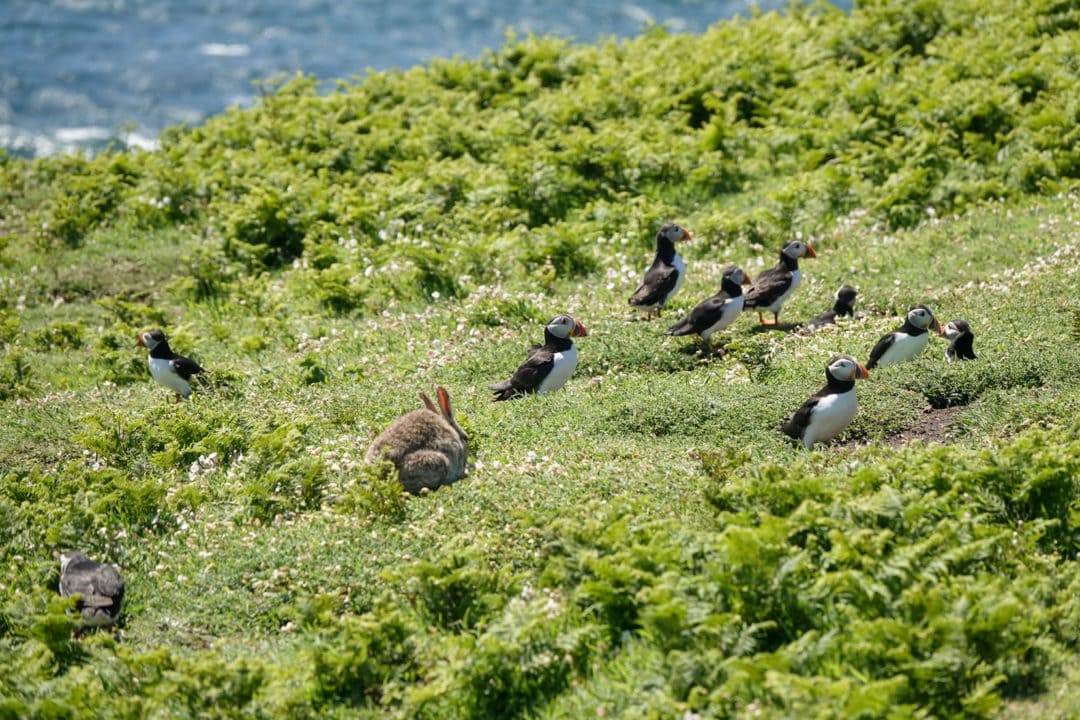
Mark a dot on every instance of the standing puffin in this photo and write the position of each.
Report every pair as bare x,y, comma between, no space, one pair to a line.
547,367
961,341
101,588
713,315
666,273
169,369
830,409
906,341
774,286
844,305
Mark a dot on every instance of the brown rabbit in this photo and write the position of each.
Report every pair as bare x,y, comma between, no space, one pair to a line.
427,447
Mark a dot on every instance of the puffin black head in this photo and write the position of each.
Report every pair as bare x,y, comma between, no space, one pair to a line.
564,326
845,300
666,238
673,233
71,556
922,317
733,278
152,339
797,249
955,328
845,368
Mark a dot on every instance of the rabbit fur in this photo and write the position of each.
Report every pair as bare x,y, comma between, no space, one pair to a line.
427,446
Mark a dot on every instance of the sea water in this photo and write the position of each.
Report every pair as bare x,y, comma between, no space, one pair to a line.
83,73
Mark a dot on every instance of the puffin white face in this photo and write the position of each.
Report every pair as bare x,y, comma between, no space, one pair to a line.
955,328
845,368
151,339
564,326
737,276
674,233
797,249
921,317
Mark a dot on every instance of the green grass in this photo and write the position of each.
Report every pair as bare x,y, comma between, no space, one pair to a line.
643,543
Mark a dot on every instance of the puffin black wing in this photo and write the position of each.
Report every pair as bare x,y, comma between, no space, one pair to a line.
826,318
185,367
658,283
768,287
704,315
963,347
527,377
880,349
800,419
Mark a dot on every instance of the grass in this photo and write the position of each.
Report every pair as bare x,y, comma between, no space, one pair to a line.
643,542
227,551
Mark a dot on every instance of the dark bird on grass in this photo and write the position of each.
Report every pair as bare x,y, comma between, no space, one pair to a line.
773,287
831,409
547,367
961,341
844,305
100,587
906,341
666,273
169,369
716,313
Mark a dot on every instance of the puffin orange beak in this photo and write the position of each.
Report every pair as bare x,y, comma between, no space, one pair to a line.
810,252
688,237
139,342
746,279
862,373
579,330
937,327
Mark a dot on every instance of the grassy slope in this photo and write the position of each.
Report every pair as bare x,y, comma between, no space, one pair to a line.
251,572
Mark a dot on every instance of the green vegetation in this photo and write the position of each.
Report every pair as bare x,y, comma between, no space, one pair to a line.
643,543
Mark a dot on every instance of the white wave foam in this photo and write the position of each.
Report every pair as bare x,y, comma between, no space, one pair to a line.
77,135
225,49
21,141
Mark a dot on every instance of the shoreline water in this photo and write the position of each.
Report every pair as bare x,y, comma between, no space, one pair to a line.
86,73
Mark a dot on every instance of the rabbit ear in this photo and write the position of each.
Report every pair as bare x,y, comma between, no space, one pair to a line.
444,402
427,401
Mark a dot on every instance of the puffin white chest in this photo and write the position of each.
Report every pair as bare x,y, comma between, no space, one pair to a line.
680,268
796,278
162,370
563,367
731,310
832,414
904,347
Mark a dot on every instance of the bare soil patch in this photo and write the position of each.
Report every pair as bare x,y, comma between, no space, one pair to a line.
931,428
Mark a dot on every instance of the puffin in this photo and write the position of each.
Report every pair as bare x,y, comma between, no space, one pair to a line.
830,409
548,367
961,340
844,305
716,313
100,586
665,275
906,341
774,286
169,369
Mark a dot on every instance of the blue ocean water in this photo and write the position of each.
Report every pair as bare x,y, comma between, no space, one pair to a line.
77,73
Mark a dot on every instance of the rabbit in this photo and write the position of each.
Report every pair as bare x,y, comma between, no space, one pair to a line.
427,447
